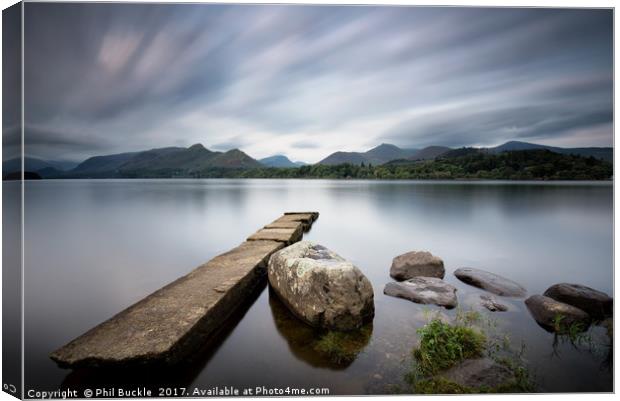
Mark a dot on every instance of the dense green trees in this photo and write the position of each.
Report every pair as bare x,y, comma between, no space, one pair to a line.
516,165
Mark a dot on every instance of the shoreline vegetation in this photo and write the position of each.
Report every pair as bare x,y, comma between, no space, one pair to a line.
460,164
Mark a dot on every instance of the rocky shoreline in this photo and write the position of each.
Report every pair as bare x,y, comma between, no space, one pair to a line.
328,292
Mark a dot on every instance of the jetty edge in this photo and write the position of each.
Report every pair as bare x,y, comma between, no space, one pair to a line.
176,320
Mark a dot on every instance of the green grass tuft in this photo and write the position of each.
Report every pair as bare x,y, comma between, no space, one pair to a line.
443,345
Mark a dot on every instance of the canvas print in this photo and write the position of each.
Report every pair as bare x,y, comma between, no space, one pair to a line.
295,200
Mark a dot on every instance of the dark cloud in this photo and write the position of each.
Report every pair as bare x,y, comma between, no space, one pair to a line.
310,80
11,82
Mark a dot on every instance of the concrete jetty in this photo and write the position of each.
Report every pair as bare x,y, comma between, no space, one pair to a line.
175,320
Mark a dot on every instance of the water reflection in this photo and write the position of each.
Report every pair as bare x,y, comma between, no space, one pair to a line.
96,247
319,349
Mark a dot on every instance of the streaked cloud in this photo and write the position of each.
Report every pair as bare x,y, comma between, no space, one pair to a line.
309,80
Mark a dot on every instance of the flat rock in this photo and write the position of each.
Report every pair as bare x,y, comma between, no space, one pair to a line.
491,282
492,304
476,373
306,218
596,303
312,215
554,315
170,323
417,264
286,224
320,287
424,290
286,235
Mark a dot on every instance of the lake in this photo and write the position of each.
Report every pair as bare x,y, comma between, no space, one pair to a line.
94,247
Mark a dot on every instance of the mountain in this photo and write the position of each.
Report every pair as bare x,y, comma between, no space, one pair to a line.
103,164
377,155
63,165
35,165
386,152
163,162
234,159
460,152
280,161
602,153
344,157
196,157
429,153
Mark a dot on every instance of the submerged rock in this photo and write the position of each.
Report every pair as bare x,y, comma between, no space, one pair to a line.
476,373
321,287
318,348
424,290
556,316
490,282
492,304
416,264
598,304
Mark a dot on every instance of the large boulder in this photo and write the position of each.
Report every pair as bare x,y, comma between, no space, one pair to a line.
424,290
416,264
321,287
556,316
490,282
598,304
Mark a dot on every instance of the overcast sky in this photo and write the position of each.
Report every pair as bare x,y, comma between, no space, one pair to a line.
306,81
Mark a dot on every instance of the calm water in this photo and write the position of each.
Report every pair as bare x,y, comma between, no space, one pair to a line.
96,247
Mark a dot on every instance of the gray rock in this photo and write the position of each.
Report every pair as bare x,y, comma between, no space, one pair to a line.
424,290
554,315
490,282
598,304
478,373
321,287
416,264
492,304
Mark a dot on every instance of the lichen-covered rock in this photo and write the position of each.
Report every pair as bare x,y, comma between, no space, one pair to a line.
321,287
556,316
491,282
424,290
598,304
416,264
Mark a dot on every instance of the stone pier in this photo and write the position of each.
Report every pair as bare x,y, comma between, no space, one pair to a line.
177,319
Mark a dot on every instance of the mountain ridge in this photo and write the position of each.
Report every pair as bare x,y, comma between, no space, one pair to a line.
196,160
280,161
383,153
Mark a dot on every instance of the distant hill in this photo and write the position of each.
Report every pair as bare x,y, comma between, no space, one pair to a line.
336,158
378,155
453,153
606,154
429,153
103,164
386,152
198,161
162,162
280,161
35,165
